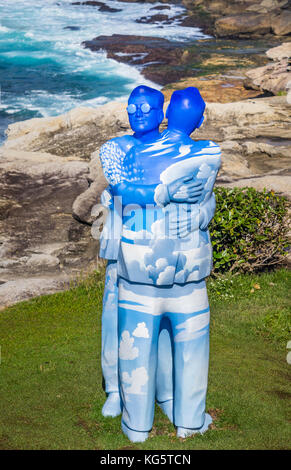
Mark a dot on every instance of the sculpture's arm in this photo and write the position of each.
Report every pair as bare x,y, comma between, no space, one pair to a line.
134,193
132,190
206,212
111,157
208,206
184,189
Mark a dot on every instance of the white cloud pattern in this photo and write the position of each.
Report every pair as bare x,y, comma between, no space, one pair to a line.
204,171
141,331
126,349
136,380
192,328
166,277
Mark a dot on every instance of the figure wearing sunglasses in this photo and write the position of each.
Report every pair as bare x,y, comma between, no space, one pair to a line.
145,112
164,257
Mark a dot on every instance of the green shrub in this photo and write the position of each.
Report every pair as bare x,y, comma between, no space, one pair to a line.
249,230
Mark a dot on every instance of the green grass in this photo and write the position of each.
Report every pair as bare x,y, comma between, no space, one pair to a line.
51,382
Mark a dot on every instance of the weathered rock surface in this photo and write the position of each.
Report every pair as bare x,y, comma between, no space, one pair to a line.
281,24
216,88
288,97
248,24
280,52
75,134
245,18
275,76
23,289
38,234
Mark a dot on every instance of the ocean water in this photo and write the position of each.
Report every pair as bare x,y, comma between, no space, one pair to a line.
44,70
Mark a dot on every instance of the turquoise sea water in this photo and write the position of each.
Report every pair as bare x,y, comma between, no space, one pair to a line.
44,70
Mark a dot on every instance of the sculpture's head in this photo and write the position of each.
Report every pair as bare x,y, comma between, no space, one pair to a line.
185,111
145,109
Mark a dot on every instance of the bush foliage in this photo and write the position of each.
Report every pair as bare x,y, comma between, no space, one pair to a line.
249,230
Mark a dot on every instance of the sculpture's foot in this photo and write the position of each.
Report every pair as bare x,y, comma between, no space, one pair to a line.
134,436
112,406
186,432
167,408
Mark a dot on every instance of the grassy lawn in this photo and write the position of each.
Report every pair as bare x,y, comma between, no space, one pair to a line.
51,381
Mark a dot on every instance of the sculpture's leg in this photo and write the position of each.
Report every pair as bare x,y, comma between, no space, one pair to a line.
138,350
191,357
109,355
164,378
109,358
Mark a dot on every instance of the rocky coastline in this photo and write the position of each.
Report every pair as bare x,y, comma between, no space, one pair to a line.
259,24
50,171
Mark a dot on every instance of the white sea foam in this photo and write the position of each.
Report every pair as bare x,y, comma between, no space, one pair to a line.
3,29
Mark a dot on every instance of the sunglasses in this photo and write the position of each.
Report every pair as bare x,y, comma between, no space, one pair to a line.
145,108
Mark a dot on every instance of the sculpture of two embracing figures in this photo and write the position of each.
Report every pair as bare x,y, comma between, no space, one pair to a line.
155,320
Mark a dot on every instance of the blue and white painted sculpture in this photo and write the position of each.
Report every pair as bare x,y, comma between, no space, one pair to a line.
155,324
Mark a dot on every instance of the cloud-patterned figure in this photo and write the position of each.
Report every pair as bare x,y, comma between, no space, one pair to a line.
136,380
127,351
162,279
141,331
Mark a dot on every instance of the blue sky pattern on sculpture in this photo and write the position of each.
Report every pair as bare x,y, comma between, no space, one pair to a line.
148,236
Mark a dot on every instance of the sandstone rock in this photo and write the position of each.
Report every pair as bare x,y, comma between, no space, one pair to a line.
288,97
75,134
280,52
216,88
274,76
23,289
266,6
264,117
280,184
244,25
226,7
42,260
244,18
218,8
281,25
38,233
